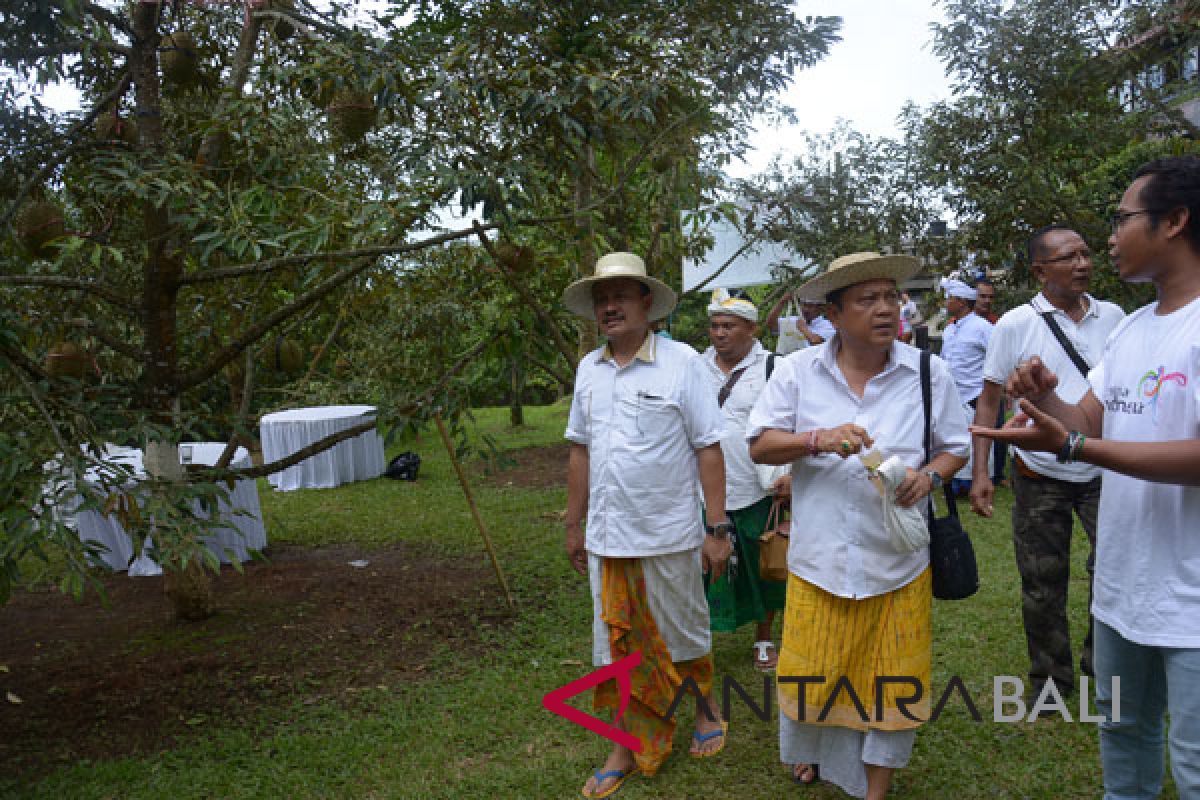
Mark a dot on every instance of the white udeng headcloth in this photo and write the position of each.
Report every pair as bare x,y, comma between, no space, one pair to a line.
953,287
722,303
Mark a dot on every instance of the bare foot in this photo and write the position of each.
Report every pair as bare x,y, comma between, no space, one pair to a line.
805,774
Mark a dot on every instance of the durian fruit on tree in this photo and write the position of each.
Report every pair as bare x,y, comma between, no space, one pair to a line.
351,115
180,59
114,128
38,226
67,360
517,258
284,355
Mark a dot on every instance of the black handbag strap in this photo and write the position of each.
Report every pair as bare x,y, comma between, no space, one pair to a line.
927,405
723,395
1076,359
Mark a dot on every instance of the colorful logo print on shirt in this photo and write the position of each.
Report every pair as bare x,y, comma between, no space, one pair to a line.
1152,384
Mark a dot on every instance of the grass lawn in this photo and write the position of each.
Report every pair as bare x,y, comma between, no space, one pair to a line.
474,727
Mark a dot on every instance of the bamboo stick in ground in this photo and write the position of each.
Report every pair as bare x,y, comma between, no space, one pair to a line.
466,487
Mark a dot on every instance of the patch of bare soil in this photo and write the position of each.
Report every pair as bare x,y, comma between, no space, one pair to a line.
81,680
529,468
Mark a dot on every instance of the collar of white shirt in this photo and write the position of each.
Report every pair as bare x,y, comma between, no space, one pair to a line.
756,352
898,356
1042,305
645,352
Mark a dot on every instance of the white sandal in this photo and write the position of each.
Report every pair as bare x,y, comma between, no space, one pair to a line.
765,657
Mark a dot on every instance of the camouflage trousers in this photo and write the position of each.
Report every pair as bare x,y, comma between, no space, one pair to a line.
1042,526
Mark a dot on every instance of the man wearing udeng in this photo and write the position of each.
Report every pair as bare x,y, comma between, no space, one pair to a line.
645,431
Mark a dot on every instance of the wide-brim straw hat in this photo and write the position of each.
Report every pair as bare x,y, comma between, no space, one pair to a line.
578,296
856,268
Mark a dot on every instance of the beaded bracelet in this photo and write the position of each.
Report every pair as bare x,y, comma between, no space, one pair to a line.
812,443
1072,448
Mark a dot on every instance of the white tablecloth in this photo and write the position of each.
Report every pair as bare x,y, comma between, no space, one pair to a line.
357,459
243,533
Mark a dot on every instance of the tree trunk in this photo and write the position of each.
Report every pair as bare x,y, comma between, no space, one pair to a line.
190,591
588,337
516,412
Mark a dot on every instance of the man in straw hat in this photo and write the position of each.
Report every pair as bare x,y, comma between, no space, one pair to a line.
738,367
645,431
858,609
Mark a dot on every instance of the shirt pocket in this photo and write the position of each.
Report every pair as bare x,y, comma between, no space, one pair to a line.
646,417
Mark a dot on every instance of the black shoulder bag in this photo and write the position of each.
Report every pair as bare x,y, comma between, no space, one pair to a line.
951,556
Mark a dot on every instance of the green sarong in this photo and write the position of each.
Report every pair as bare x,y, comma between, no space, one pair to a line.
745,598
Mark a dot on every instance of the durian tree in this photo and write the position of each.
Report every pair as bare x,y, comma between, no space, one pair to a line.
236,177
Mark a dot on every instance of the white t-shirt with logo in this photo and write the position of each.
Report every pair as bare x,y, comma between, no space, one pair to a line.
1147,583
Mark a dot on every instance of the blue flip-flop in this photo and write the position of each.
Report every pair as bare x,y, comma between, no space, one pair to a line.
701,738
621,776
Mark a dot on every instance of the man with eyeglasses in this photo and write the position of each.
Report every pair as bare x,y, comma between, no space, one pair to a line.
1139,420
1045,492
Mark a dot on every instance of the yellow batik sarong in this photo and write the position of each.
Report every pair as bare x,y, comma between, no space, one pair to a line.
863,641
655,682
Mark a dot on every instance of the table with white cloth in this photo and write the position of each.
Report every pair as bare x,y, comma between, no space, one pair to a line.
242,532
356,459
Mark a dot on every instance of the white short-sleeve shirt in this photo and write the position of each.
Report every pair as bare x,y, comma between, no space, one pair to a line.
1147,582
839,540
642,424
964,345
742,485
1022,333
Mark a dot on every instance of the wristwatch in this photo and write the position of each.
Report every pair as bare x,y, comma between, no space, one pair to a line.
935,479
722,530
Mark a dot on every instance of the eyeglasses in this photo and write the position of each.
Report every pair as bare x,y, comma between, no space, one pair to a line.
1068,258
1119,217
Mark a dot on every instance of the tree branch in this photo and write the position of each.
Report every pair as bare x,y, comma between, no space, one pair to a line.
272,264
322,445
72,133
209,154
107,339
109,17
319,446
60,282
18,52
520,287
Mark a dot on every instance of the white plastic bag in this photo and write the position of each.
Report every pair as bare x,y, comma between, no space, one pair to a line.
906,526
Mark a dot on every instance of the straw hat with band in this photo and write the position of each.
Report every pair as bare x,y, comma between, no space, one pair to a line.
578,296
857,268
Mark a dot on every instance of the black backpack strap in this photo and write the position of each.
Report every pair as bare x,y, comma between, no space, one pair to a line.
927,405
1076,359
770,364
